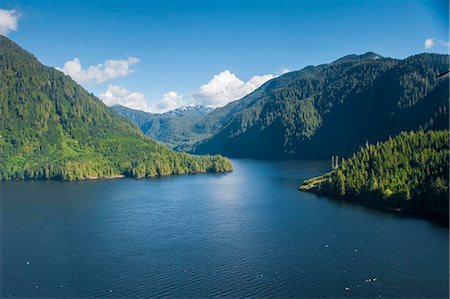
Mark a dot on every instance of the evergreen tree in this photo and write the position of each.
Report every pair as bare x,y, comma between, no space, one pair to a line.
340,182
410,171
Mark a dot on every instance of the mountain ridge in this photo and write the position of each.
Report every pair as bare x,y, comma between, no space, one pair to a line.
368,97
189,110
329,109
178,126
355,57
51,128
183,134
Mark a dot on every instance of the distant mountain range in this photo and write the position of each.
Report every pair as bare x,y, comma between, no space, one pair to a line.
319,111
189,111
51,128
180,127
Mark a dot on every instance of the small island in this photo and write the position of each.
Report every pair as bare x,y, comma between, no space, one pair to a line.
405,173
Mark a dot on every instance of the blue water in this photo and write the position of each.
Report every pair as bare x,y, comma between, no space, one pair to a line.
246,233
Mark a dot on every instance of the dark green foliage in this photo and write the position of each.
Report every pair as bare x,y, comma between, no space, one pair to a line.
52,128
333,108
339,180
410,171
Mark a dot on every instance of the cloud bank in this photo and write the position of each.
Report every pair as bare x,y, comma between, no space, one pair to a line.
118,95
170,101
222,89
8,21
99,73
226,87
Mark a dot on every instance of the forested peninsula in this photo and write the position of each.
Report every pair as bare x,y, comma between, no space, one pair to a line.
407,173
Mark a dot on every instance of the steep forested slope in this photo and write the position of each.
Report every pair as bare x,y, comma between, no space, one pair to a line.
52,128
333,108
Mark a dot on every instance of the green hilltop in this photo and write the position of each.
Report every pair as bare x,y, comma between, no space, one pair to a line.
51,128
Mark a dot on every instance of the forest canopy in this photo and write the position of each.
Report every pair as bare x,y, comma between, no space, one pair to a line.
51,128
410,171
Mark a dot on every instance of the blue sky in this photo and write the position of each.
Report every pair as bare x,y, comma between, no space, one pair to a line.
165,54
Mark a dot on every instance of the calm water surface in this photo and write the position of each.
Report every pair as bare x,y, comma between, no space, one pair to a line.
248,233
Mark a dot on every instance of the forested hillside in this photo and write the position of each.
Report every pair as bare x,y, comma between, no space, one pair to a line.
410,172
52,128
333,108
178,128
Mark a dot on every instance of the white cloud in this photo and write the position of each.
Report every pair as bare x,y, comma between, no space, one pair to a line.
99,73
284,71
117,95
226,87
429,43
170,101
8,21
222,89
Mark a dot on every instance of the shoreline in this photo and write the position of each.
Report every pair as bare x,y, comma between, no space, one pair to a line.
119,176
429,215
112,177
